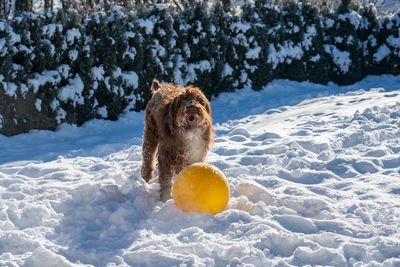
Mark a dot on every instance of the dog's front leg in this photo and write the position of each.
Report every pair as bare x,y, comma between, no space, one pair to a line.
165,179
150,143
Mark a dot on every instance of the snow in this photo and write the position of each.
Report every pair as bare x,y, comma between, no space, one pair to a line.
38,104
352,17
313,171
131,78
311,31
285,53
13,37
73,55
227,71
382,52
2,43
23,48
340,58
202,65
51,29
102,111
98,73
72,91
329,22
10,88
64,70
72,35
315,58
240,27
147,24
395,43
47,76
253,53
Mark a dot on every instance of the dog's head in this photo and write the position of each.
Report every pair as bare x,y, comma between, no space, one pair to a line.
191,109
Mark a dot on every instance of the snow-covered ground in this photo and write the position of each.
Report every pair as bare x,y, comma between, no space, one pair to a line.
314,173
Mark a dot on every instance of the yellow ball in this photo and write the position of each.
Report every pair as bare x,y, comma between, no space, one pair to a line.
200,188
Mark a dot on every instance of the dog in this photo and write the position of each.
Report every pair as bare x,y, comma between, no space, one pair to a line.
178,131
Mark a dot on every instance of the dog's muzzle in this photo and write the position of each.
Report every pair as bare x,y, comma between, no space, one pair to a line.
192,115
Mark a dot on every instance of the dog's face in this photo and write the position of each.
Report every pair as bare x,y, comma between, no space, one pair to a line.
191,109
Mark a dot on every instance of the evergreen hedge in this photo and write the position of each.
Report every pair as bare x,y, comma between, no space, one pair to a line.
59,68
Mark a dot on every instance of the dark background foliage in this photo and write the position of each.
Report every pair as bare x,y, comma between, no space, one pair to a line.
67,67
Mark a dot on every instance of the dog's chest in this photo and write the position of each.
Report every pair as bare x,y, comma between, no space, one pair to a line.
195,146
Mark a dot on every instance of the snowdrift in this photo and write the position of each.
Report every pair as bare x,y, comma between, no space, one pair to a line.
313,182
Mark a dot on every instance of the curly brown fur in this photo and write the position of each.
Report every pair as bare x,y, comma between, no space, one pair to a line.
178,130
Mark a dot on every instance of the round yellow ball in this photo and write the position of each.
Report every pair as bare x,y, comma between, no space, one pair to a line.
201,188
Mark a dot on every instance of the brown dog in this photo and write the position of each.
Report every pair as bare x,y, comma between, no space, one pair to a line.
178,129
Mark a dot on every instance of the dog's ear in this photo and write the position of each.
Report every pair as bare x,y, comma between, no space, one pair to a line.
155,85
208,107
172,110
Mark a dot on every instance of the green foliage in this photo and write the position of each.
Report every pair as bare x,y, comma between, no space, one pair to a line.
67,67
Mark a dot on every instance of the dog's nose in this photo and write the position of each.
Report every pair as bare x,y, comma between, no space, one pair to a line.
192,114
192,109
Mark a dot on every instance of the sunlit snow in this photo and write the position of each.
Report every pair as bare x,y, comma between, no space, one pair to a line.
314,173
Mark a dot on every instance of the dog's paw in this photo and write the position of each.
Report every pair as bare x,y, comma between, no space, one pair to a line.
147,174
165,195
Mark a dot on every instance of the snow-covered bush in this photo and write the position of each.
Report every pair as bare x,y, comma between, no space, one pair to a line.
59,68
